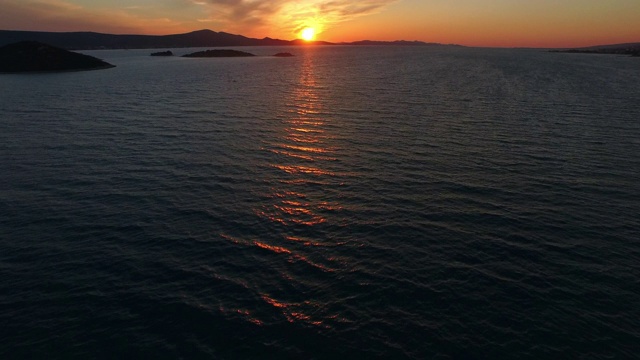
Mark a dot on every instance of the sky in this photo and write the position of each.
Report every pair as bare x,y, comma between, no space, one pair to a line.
492,23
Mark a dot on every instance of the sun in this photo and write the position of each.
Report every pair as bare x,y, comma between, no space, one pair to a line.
308,34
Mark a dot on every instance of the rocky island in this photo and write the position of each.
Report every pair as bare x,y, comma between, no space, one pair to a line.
33,56
219,53
162,53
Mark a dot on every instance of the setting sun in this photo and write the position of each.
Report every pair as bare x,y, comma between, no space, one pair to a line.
308,34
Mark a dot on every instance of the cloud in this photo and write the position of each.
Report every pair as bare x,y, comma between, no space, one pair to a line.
257,18
60,15
287,15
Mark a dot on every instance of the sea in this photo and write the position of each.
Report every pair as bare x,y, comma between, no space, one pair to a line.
349,202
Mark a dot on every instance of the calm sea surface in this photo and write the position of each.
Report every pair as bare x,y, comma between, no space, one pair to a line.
349,202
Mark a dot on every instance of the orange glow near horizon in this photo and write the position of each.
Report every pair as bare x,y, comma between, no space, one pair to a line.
503,24
490,23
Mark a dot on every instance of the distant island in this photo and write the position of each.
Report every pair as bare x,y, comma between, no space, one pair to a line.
201,38
33,56
283,54
162,53
218,53
632,49
395,43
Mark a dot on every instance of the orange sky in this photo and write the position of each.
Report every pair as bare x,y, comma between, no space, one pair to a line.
509,23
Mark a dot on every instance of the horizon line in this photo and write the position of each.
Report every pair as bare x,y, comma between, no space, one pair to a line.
325,42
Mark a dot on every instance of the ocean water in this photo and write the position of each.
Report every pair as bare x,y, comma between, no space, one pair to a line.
349,202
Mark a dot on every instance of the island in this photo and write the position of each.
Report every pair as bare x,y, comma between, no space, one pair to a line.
283,54
218,53
162,53
33,56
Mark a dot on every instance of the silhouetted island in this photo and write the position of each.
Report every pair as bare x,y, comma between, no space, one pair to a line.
283,54
219,53
162,53
395,43
33,56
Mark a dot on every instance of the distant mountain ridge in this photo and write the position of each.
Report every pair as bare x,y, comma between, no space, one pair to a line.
632,49
612,46
200,38
396,42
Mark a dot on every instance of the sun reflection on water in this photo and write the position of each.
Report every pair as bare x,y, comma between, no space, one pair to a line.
298,206
301,151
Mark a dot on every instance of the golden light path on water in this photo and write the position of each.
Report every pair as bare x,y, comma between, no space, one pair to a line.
301,149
